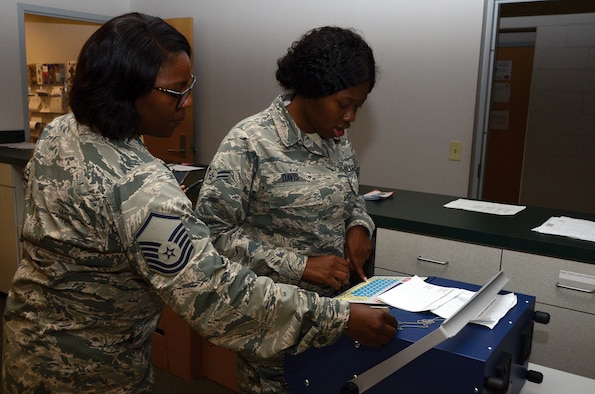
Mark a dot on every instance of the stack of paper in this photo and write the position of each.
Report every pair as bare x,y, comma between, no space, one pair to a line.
416,295
493,208
569,227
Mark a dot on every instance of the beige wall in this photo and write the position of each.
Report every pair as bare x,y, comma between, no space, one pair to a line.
55,40
559,167
428,52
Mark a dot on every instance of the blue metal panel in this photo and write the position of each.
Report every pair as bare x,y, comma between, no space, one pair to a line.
460,364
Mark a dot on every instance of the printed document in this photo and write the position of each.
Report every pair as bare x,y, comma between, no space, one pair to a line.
416,295
569,227
485,207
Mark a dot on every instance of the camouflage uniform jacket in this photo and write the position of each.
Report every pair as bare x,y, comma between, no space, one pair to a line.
272,196
108,236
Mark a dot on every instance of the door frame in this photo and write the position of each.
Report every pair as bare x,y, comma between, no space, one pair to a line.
491,24
23,9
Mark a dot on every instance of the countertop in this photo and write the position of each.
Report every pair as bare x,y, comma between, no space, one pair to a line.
424,213
18,157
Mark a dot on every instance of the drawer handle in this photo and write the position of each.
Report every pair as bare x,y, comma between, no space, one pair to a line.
432,260
575,288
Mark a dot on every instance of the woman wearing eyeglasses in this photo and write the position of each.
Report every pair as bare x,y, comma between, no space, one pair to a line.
109,237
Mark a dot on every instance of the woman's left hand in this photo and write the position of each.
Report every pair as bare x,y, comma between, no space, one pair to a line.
358,248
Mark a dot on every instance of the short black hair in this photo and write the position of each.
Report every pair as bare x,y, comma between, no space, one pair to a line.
118,64
325,61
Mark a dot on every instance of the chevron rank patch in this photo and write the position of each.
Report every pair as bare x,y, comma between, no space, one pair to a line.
219,175
165,243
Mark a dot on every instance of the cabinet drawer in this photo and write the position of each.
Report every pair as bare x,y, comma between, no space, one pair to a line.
422,255
539,275
566,342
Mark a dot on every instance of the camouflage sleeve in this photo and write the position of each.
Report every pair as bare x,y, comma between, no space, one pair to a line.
223,204
359,214
228,304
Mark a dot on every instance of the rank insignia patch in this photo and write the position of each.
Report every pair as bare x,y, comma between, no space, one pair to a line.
219,175
165,243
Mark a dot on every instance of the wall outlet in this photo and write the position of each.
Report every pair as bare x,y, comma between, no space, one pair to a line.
455,150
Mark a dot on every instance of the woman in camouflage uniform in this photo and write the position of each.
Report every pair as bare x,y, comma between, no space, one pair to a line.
109,237
281,194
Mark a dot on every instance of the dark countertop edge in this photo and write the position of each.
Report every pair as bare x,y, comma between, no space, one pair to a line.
423,213
18,157
9,136
547,246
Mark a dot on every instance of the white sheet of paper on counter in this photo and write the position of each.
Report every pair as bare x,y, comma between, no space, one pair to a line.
493,208
568,227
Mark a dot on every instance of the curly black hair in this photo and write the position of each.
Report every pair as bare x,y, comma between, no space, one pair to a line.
325,61
117,65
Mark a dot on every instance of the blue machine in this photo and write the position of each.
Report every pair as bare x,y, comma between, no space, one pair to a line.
476,360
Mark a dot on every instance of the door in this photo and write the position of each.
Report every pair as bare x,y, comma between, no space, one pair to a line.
179,148
507,124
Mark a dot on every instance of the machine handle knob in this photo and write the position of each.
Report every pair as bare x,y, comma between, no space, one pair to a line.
496,384
534,376
349,388
541,317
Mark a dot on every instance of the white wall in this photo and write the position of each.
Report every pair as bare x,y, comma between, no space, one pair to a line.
428,52
559,164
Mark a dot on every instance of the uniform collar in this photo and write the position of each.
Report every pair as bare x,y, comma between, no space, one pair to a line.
288,131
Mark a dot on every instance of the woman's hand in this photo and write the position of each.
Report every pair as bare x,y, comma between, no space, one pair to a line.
327,270
371,326
358,248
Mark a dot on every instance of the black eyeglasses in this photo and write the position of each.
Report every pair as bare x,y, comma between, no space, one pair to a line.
182,96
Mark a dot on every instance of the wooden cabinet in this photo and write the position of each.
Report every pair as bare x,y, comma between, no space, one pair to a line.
181,351
566,343
11,213
415,254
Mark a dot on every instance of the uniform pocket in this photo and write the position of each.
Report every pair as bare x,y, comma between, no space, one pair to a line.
295,195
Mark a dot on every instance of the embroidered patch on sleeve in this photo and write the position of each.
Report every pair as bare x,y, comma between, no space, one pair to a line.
165,243
219,175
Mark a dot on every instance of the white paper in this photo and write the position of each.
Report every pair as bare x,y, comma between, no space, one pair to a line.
503,70
415,295
569,227
182,167
501,92
577,277
489,316
485,207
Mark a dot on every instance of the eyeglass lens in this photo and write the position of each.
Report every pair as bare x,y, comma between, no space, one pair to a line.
186,93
